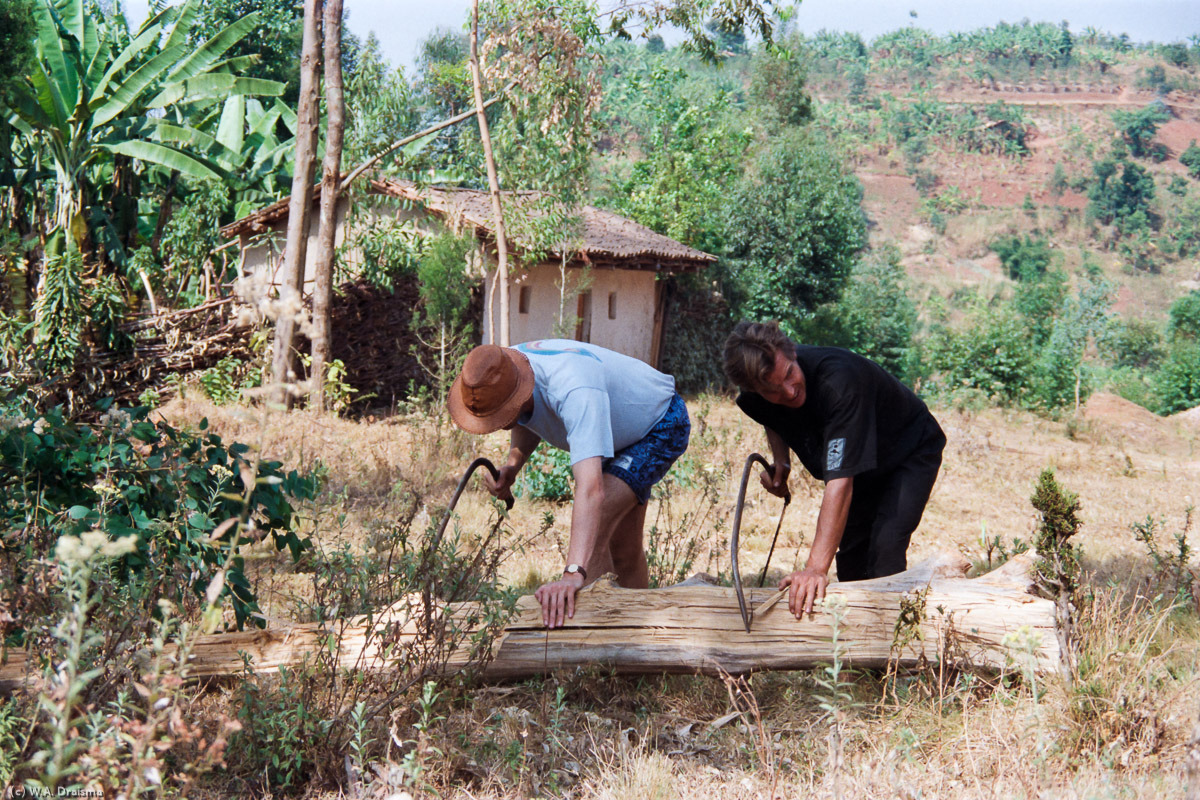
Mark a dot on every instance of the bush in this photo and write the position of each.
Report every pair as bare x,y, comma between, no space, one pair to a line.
1061,375
1185,229
1038,299
1184,317
1190,158
1137,129
1177,383
1134,344
693,339
546,476
777,84
1124,199
190,500
991,356
1023,257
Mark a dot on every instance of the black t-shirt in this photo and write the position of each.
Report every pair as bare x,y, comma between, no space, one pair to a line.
856,419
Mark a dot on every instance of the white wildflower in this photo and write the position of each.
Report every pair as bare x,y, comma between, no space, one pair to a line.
120,547
67,550
39,427
81,549
92,542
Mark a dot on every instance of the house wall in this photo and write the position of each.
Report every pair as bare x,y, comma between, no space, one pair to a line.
630,331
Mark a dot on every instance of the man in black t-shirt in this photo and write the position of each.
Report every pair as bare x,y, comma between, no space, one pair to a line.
855,427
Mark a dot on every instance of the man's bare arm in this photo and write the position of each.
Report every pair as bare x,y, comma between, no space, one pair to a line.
521,444
775,481
558,597
808,584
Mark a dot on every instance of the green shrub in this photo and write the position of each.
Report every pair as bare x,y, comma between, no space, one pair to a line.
1137,129
281,731
693,341
190,499
1061,375
795,227
1038,298
546,476
1023,257
1122,199
1173,574
222,382
1133,343
1190,158
1177,383
991,355
1184,317
1185,230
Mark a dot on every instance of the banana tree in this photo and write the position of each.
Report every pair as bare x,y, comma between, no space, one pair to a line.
100,100
241,137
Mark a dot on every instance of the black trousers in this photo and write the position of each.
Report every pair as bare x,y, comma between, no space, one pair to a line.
884,512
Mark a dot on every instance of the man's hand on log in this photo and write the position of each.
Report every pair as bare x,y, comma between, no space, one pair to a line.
558,599
808,587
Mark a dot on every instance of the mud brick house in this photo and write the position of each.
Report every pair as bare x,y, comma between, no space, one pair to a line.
604,278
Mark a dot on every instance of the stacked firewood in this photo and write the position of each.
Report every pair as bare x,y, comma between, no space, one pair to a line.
175,342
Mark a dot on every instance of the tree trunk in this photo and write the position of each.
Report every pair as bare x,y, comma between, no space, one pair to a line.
992,622
493,186
331,176
300,206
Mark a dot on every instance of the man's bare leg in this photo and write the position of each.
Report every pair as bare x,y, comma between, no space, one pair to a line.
619,500
628,552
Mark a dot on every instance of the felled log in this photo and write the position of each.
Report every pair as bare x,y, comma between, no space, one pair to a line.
927,615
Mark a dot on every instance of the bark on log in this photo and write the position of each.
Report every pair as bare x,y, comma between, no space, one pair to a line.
984,622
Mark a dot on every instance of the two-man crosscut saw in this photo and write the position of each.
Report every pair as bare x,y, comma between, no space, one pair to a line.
747,615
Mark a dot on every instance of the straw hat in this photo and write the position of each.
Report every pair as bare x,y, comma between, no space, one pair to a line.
495,383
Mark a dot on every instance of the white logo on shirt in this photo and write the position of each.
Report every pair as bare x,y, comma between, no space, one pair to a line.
833,456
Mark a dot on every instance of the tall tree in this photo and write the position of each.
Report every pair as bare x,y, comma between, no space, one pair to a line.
795,227
331,176
300,206
493,185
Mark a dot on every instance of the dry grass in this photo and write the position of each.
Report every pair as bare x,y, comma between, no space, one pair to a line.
1120,731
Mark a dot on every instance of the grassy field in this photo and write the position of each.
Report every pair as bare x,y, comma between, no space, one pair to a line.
1122,728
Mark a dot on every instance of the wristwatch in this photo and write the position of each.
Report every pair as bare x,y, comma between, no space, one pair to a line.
575,569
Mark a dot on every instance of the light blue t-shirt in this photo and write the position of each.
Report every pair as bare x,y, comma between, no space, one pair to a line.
591,401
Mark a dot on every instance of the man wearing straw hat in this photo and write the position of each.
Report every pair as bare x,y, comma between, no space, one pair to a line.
620,419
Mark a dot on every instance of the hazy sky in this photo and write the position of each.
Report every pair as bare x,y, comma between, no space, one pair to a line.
400,25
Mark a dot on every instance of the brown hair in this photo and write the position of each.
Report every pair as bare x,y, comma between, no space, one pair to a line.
750,352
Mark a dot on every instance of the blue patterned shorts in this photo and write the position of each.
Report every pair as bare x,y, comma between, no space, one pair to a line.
646,461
